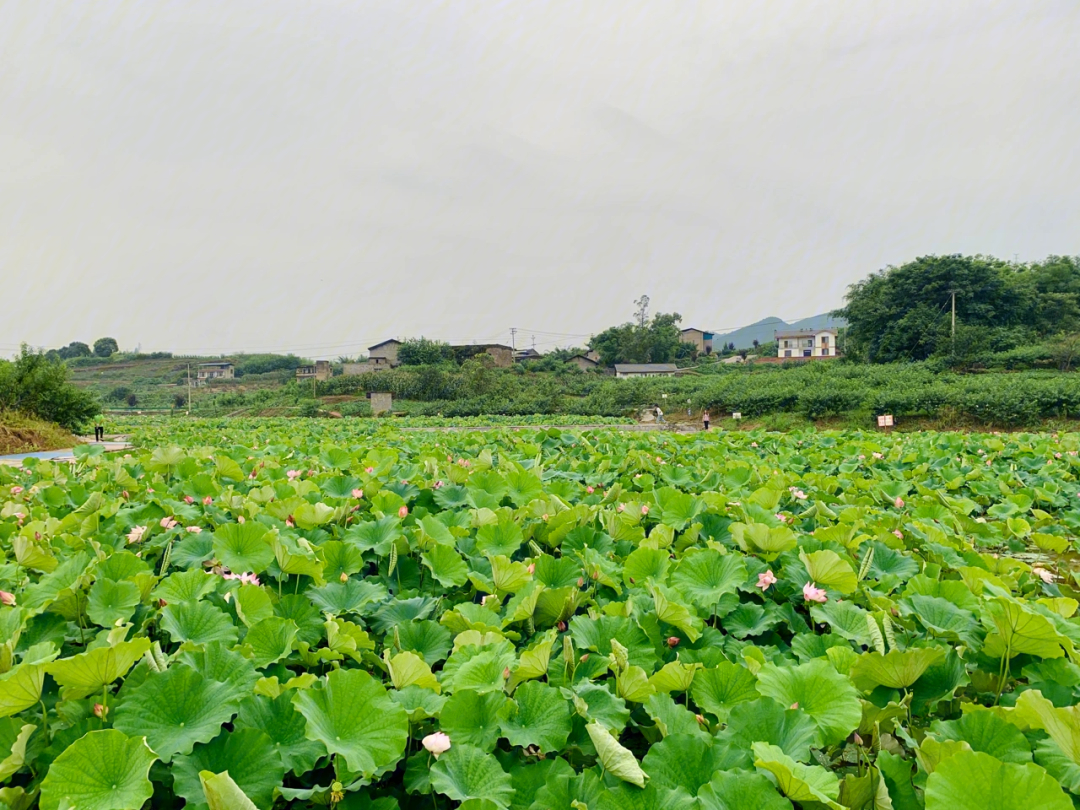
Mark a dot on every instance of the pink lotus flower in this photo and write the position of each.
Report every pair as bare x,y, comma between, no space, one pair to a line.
765,579
168,523
188,499
878,455
16,490
532,568
794,706
580,581
292,475
644,509
207,500
862,458
589,490
136,534
290,522
1043,574
800,495
544,516
899,502
403,511
437,743
620,508
358,493
240,519
812,593
438,484
7,598
898,533
1057,455
781,517
254,473
193,529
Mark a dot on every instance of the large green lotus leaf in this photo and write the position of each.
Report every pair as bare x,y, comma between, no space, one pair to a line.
104,770
482,670
1021,631
557,572
897,774
501,538
596,635
759,538
14,735
468,775
617,761
1049,755
524,487
473,718
247,755
817,689
70,573
486,489
944,618
429,639
572,791
737,790
341,558
279,720
765,720
678,509
644,565
409,669
670,717
446,566
111,602
375,535
199,623
528,778
718,689
192,551
122,565
270,640
705,576
800,783
751,619
252,603
986,732
351,714
970,780
399,611
186,586
684,763
90,672
669,610
451,497
897,669
20,688
218,663
845,618
244,547
538,715
176,709
829,570
1061,724
297,556
222,793
601,705
346,597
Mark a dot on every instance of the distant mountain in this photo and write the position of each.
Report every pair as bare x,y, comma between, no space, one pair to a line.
763,330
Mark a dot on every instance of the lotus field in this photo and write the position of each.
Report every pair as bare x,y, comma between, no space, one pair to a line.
301,614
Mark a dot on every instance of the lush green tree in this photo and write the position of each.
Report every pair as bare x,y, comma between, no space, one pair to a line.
424,352
106,347
905,313
654,341
36,385
74,349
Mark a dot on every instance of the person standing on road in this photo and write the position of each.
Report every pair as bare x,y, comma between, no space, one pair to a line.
99,431
705,419
659,416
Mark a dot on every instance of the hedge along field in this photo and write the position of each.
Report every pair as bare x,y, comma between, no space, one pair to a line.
311,616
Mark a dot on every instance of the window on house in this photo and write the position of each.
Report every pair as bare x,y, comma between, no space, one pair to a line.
824,340
810,343
825,352
787,353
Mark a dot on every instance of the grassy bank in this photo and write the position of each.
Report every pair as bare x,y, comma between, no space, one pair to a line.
26,434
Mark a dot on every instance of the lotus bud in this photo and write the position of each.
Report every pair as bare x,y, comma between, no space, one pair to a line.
207,500
856,738
506,673
580,581
161,603
437,743
532,568
241,519
794,705
7,598
188,499
644,509
403,511
125,494
700,719
584,658
100,711
562,627
344,577
673,641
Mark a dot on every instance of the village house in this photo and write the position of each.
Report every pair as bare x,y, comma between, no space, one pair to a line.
501,356
222,370
380,356
321,371
698,338
806,343
628,370
584,362
527,354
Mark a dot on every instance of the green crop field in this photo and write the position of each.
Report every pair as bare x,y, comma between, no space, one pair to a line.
308,613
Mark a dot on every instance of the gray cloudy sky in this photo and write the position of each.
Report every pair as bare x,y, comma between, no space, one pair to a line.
317,175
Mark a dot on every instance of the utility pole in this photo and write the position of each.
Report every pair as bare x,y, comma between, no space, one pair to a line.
189,389
513,338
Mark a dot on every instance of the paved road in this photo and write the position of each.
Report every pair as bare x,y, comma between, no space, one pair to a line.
57,455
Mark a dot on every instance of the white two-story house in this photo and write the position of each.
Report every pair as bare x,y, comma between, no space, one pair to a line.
806,343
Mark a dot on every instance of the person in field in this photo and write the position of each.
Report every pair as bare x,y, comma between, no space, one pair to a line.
659,415
705,419
99,432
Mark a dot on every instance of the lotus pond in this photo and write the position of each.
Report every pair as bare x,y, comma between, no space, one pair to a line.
301,614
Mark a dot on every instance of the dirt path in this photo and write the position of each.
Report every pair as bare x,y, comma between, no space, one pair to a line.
67,454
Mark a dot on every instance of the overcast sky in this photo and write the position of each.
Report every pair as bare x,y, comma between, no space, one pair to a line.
318,175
